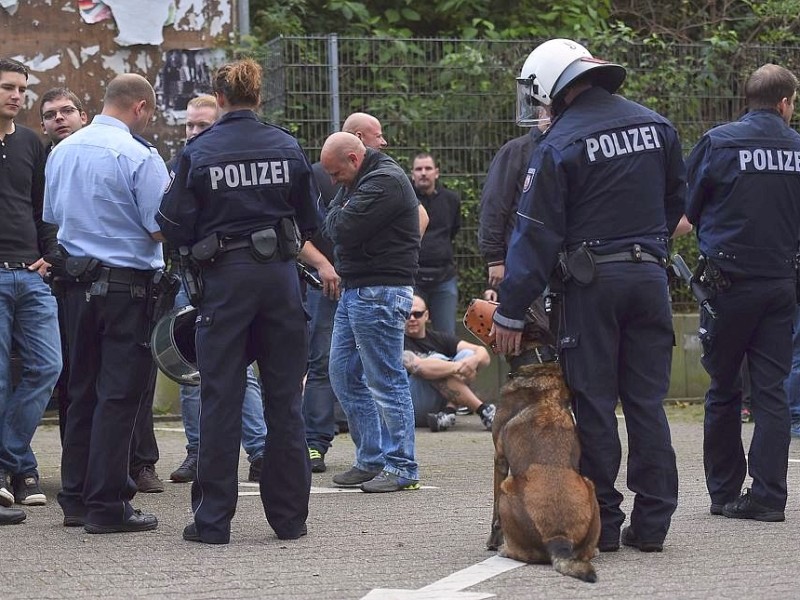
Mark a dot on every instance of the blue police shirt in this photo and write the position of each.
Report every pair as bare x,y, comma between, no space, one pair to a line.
238,176
102,189
608,173
744,195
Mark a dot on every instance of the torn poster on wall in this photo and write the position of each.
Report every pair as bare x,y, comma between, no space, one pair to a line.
142,22
185,74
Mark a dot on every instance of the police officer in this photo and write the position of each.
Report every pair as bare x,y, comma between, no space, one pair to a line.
606,186
502,190
103,187
239,194
744,186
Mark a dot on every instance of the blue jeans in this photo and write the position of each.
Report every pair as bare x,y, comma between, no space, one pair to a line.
793,380
368,377
319,401
28,316
426,398
442,301
254,428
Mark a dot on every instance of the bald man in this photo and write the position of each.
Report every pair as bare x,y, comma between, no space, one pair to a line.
374,224
319,401
107,176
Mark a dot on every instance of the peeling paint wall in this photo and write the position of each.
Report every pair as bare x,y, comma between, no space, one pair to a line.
83,44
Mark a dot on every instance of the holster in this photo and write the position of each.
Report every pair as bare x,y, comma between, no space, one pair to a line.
290,241
162,290
191,275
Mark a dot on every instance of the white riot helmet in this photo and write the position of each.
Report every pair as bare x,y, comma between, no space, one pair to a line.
551,67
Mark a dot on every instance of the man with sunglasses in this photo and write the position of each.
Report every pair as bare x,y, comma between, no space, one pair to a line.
441,368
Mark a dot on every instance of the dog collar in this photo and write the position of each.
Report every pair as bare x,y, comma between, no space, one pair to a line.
538,355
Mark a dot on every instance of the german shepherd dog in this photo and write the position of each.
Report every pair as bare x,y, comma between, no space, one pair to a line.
544,510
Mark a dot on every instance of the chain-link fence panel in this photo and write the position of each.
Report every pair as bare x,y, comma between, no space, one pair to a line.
456,100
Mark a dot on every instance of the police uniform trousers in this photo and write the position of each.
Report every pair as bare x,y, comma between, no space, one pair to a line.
616,344
754,320
109,361
251,310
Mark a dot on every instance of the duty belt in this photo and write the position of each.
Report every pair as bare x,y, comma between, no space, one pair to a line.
636,255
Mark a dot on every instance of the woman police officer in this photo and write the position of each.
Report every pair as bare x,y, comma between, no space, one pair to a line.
241,196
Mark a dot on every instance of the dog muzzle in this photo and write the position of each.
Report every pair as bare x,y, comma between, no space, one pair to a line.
478,320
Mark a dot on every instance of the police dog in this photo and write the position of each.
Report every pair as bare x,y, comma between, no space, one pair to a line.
544,510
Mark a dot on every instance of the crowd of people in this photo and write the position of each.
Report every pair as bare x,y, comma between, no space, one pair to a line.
575,215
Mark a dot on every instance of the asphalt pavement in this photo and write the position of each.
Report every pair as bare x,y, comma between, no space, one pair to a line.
406,545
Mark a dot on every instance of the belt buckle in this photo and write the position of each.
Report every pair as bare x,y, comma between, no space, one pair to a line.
637,253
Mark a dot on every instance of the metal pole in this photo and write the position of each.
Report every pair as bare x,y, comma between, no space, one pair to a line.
333,76
244,17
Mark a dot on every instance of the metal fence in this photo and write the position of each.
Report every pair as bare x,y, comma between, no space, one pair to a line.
455,99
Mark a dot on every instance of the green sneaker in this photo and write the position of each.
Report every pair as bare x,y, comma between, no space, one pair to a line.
389,482
317,461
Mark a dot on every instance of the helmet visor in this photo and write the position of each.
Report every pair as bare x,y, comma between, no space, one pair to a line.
530,112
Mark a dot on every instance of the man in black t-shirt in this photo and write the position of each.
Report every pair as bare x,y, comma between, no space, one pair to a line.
441,367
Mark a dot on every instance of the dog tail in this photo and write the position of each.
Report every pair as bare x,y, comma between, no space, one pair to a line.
563,560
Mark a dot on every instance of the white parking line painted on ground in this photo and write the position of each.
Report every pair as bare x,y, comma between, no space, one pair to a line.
450,587
320,490
172,429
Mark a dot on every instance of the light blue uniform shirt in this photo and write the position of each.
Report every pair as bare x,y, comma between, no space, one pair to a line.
103,189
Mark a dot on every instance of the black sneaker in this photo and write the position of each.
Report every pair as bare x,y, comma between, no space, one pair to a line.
629,539
354,477
138,521
254,474
187,471
716,509
6,496
317,461
11,516
745,507
147,481
27,490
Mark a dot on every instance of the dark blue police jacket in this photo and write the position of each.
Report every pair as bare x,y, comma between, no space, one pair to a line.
744,195
238,176
608,173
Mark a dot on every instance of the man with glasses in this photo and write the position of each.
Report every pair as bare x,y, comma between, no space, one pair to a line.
28,315
441,368
62,115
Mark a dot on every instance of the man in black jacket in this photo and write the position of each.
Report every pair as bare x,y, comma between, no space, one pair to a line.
374,224
436,279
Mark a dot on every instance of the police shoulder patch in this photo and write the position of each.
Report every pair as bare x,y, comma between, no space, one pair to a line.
170,182
529,179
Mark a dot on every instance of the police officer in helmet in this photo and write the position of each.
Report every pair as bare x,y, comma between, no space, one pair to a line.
604,190
242,198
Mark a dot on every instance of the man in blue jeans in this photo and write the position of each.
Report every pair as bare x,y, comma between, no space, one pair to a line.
440,369
374,225
28,313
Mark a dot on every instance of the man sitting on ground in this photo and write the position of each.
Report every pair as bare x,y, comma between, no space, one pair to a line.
441,367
